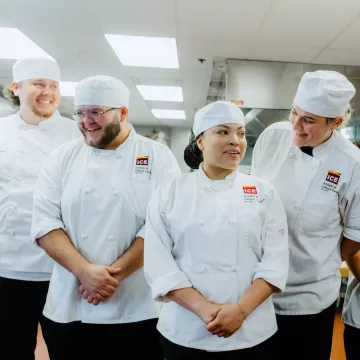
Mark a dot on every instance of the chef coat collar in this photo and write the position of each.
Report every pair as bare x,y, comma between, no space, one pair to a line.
43,125
121,150
217,185
324,147
317,152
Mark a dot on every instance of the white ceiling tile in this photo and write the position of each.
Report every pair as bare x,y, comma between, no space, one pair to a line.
283,53
307,22
349,39
5,22
136,17
339,57
190,52
220,21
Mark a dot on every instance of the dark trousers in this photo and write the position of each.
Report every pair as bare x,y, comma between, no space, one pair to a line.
21,306
172,351
305,337
352,342
76,340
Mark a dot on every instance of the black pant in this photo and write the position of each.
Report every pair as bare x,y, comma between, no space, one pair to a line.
172,351
352,342
76,340
303,337
21,306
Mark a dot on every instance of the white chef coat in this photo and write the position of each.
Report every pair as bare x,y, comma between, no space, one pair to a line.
23,149
351,308
217,236
99,197
321,195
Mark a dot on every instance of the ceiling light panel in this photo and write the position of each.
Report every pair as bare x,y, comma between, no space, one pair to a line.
16,45
144,51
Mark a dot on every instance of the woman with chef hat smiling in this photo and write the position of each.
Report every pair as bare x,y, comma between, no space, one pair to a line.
316,172
216,248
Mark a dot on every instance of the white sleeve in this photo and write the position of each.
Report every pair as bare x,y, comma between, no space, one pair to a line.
257,152
350,208
161,269
255,157
47,197
165,169
274,264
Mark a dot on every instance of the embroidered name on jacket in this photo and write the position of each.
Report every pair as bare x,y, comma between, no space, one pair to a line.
142,161
331,181
250,193
142,165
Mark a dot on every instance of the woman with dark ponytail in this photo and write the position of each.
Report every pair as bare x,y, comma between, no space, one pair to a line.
192,154
216,248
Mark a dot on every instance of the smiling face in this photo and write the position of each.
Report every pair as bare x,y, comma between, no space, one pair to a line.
311,130
101,125
223,146
39,96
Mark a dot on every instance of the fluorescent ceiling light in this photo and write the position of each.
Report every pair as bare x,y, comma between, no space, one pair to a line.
145,51
15,45
161,93
67,88
169,114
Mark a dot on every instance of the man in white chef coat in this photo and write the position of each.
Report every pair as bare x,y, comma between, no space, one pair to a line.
89,216
26,138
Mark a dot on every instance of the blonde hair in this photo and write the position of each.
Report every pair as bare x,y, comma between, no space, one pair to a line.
347,117
9,94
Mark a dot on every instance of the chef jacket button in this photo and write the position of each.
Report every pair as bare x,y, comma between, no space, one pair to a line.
11,233
201,223
111,238
115,193
234,268
84,237
87,191
200,268
231,222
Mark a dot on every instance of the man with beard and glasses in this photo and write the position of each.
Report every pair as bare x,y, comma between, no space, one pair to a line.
89,216
26,138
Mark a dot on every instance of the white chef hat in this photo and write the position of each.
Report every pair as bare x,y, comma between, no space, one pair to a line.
324,93
36,68
217,113
103,91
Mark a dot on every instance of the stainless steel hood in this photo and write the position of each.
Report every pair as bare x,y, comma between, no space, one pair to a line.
272,85
265,90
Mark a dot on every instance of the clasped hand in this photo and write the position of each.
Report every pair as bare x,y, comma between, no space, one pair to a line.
222,320
98,283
